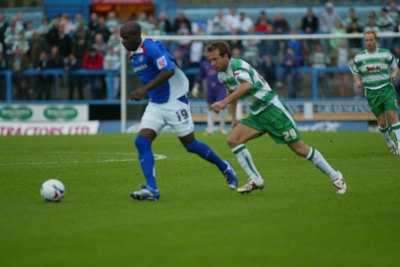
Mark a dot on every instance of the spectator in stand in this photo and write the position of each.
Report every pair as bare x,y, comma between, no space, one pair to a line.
394,13
19,63
43,81
329,18
181,59
353,25
3,27
386,24
78,22
144,23
183,45
102,29
218,24
44,28
64,43
337,30
11,37
327,23
112,62
29,30
74,81
164,25
99,44
80,44
341,58
19,21
37,44
262,23
111,21
280,24
297,46
55,62
153,25
114,41
93,60
232,20
371,23
246,25
271,47
310,25
3,66
267,69
93,24
52,37
21,44
66,23
318,60
290,75
180,20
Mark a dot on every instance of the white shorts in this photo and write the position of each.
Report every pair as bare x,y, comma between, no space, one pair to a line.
175,114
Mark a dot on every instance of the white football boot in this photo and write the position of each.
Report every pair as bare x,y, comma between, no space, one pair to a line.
340,185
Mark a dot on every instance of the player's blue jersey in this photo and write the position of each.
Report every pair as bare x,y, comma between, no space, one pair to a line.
148,60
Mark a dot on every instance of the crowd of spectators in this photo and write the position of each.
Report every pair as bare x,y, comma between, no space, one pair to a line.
72,44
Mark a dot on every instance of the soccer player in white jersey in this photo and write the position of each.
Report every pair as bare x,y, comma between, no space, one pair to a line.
166,86
374,69
268,114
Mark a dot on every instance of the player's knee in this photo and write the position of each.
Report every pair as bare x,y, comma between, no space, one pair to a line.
233,142
142,143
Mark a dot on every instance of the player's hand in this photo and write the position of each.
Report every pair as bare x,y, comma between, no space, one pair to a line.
393,77
217,106
234,122
137,94
359,84
195,90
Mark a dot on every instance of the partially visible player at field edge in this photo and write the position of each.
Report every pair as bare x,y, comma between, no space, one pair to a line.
215,92
374,69
166,86
268,114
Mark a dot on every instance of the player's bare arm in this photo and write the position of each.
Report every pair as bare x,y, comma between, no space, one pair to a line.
162,77
357,80
233,113
240,91
393,75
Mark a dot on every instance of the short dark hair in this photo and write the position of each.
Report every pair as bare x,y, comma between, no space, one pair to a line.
221,46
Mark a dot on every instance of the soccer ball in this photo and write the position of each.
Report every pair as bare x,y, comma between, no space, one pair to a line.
52,190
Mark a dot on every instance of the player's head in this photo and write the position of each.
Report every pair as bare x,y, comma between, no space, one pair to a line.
130,33
219,55
370,39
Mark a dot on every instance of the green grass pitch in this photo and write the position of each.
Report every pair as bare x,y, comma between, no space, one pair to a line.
297,220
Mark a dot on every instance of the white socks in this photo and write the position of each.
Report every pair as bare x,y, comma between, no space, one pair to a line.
386,135
318,160
245,160
396,132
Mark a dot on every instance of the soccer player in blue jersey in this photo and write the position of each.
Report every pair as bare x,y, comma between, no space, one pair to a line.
166,86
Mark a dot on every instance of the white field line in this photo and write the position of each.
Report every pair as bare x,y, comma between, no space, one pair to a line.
132,157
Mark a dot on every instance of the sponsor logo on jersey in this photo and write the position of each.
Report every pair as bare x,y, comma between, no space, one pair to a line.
140,68
373,68
161,62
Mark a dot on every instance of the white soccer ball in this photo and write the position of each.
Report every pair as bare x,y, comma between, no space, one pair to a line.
52,190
